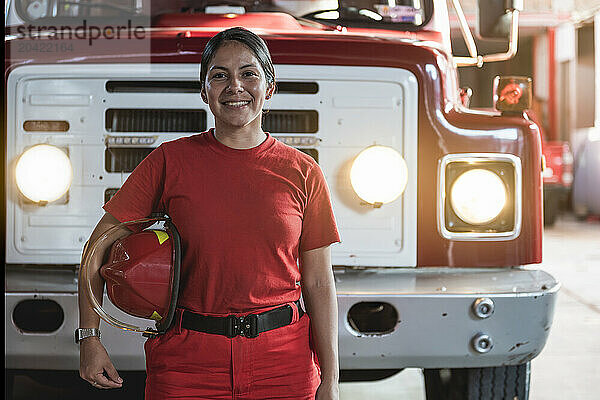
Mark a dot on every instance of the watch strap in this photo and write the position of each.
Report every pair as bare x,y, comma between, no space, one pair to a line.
83,333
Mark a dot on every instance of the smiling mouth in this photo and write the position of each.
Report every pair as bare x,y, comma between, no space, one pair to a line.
236,103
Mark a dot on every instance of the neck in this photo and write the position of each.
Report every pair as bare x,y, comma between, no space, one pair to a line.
240,138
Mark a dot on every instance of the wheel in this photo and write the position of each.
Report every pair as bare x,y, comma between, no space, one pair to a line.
492,383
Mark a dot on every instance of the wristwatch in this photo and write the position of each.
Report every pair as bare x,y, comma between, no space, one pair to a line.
82,333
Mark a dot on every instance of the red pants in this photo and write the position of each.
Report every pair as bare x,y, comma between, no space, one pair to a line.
278,364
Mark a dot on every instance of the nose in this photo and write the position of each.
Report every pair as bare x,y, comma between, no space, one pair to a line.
235,85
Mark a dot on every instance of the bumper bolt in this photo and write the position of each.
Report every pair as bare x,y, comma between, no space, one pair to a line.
482,343
483,307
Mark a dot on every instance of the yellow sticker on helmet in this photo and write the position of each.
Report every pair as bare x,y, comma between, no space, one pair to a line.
162,236
155,316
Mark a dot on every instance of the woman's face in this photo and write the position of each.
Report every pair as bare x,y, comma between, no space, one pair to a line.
235,87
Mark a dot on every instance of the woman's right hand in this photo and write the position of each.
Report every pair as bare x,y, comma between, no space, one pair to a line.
94,363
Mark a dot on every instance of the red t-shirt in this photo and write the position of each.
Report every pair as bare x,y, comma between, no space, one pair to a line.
243,217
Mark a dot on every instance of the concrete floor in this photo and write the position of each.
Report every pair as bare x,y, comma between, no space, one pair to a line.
568,367
407,385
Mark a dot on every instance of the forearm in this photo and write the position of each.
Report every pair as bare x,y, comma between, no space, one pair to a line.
321,306
87,317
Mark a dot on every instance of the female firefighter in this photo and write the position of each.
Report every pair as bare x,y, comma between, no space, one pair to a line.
250,210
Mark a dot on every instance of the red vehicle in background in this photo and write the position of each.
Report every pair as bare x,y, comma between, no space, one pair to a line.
557,173
558,178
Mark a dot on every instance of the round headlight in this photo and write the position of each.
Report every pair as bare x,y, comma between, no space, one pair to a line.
379,175
478,196
44,173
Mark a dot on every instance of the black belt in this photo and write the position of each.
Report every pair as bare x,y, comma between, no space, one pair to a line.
248,326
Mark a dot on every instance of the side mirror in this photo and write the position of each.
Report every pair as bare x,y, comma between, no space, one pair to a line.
512,94
494,18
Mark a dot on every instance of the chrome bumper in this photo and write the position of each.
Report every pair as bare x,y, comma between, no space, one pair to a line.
438,325
435,328
57,350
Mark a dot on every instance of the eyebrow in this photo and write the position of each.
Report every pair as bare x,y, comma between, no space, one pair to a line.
225,69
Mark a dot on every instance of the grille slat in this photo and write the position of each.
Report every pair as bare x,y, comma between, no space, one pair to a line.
124,159
297,87
167,120
291,121
194,87
155,120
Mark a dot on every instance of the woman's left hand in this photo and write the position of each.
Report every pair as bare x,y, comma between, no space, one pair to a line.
327,391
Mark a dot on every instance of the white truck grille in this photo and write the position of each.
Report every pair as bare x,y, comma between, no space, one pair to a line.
117,114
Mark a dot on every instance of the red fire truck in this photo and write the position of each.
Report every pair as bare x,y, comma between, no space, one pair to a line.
439,207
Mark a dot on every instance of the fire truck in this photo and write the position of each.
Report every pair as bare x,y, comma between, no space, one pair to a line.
439,207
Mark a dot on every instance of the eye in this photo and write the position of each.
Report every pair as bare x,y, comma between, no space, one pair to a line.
249,73
218,75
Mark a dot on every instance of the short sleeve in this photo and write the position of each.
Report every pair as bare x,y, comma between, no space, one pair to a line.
318,224
141,193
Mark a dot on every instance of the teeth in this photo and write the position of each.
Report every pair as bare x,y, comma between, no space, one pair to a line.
236,103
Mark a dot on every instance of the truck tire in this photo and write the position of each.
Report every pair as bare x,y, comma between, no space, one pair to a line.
491,383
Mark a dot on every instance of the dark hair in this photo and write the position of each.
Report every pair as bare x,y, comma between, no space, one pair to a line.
248,39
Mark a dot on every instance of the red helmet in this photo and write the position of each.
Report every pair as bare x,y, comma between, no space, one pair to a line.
142,276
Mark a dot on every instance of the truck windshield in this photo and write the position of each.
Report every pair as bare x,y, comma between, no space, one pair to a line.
386,14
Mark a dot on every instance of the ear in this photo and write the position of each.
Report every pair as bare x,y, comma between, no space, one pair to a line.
270,91
203,95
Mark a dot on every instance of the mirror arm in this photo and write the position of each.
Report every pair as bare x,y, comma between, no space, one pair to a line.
465,30
475,59
512,44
